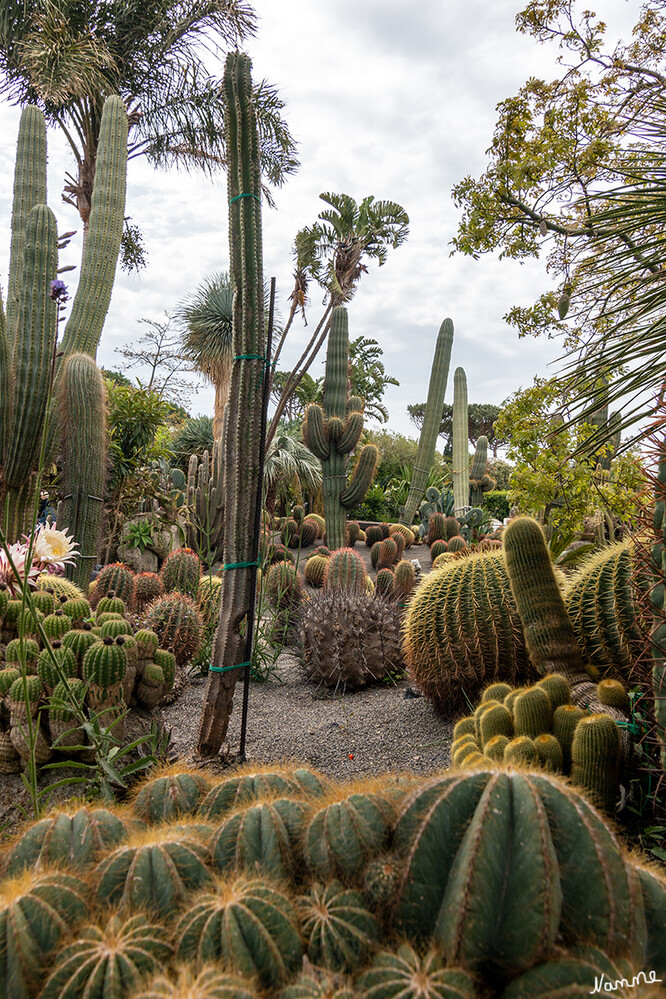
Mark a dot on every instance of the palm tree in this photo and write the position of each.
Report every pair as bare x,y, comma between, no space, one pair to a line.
290,463
68,55
333,251
206,322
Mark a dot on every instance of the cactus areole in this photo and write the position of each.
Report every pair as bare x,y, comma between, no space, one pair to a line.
242,438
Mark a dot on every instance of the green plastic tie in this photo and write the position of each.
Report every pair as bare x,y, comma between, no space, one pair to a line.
249,357
241,565
248,195
225,669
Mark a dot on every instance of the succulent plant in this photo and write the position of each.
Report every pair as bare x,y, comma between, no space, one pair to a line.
119,578
148,585
181,572
350,640
345,570
176,621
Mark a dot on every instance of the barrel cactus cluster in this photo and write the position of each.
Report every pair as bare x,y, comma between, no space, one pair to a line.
71,657
538,726
280,882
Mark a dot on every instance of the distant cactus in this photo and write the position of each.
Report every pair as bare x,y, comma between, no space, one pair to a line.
177,622
148,585
181,572
119,578
345,570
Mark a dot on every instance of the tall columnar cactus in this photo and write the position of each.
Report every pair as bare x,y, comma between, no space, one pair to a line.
333,432
243,421
460,434
83,420
431,423
103,234
549,635
27,338
479,480
205,500
658,599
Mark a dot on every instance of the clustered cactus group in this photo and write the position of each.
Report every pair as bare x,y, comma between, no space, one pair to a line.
280,882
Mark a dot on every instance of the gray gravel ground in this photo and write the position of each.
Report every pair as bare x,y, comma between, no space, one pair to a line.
370,731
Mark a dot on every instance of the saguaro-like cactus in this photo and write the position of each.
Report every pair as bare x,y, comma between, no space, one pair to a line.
242,436
433,417
333,432
460,452
83,412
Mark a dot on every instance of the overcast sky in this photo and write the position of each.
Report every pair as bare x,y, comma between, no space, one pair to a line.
387,98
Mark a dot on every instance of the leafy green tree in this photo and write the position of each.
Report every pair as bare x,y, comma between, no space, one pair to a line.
334,252
482,418
68,55
575,173
307,391
546,480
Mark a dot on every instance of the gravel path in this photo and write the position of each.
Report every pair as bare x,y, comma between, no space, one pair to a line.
370,731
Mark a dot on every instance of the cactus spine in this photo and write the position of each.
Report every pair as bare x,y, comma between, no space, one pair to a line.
460,452
431,423
243,415
333,432
83,419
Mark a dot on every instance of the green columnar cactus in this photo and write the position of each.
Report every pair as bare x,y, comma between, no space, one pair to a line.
532,712
549,635
549,752
565,721
387,553
345,570
103,235
460,436
431,422
333,432
404,579
23,410
181,572
658,599
595,759
83,422
243,419
385,583
479,480
205,500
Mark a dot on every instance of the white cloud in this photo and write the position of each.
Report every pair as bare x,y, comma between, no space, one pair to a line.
385,98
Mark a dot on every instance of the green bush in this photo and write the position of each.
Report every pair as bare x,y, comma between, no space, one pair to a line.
496,502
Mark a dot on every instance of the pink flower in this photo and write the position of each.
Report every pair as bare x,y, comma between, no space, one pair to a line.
25,572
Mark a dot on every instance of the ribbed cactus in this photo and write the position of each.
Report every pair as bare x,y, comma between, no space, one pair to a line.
601,603
315,570
431,422
104,664
494,881
460,436
595,759
479,480
333,432
243,415
83,422
148,585
176,621
181,572
116,577
345,570
27,364
205,500
462,630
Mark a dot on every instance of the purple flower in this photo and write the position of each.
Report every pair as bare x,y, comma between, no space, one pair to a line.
58,291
